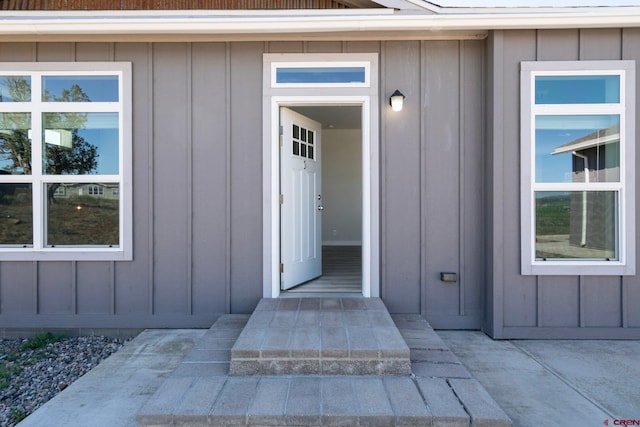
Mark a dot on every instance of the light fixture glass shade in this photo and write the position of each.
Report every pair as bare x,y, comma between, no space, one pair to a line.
396,100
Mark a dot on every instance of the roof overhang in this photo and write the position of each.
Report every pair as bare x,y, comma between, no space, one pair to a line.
296,24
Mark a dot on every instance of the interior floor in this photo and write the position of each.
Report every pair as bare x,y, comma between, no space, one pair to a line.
341,271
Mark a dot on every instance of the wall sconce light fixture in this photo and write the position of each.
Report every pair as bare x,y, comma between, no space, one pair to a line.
396,100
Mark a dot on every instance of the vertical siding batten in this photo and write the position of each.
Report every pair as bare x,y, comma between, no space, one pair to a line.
495,178
424,278
74,287
461,179
189,177
151,180
227,154
112,288
384,113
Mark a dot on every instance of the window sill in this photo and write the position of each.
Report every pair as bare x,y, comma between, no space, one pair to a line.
66,254
582,268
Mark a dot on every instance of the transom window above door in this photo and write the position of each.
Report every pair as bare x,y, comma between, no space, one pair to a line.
319,71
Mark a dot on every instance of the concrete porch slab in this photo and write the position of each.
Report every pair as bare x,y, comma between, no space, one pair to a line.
201,393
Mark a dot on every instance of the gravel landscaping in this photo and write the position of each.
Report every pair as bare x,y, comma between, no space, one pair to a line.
33,371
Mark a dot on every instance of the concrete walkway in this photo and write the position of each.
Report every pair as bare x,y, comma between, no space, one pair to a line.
537,383
555,382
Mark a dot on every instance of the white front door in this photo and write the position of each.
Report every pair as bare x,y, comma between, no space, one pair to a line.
301,199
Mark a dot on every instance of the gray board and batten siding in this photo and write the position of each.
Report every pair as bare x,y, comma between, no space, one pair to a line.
197,188
450,198
545,306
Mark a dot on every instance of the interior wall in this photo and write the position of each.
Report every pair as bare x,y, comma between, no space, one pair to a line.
342,187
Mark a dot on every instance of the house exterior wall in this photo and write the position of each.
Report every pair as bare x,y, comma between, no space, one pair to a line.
544,306
197,183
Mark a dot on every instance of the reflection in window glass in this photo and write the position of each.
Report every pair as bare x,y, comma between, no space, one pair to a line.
15,143
80,88
576,225
577,89
321,75
16,222
81,217
577,148
81,143
15,88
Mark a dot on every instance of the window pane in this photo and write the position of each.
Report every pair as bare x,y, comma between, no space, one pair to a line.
80,88
15,88
80,143
16,223
15,143
82,214
577,148
576,224
577,89
320,75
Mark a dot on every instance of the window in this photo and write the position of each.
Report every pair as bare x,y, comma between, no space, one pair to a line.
65,136
320,74
578,203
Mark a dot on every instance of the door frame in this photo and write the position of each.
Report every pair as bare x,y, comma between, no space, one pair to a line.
363,94
370,188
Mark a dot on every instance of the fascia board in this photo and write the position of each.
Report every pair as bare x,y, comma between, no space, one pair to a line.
200,22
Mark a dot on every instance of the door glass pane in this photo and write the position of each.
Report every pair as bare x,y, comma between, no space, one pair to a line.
15,143
577,148
303,150
15,88
310,150
310,136
81,143
577,89
296,148
320,75
80,89
576,224
16,222
82,214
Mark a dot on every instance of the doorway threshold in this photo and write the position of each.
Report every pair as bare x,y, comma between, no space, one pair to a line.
294,294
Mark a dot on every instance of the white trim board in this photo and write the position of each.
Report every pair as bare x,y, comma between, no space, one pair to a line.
367,99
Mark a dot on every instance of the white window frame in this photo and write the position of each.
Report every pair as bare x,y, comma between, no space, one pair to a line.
625,227
38,179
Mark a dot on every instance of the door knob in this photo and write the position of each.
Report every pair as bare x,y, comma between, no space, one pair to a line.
320,207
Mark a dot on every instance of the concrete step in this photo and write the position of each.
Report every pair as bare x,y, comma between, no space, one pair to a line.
439,391
320,336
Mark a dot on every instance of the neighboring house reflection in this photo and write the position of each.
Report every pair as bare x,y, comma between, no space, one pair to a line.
595,158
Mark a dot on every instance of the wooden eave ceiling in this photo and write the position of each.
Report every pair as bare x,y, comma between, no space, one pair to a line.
67,5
